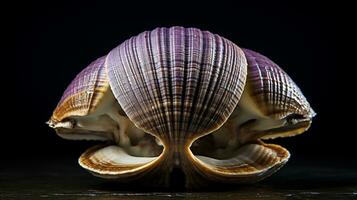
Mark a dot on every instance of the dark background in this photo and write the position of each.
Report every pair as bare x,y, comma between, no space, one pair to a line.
55,41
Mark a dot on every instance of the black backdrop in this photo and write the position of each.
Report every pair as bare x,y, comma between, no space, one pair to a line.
54,41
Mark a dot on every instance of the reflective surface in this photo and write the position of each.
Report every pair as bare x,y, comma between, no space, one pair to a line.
64,179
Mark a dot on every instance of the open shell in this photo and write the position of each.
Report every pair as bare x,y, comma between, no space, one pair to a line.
185,98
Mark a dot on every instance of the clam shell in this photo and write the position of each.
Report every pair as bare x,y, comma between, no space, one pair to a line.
177,83
180,84
274,92
84,93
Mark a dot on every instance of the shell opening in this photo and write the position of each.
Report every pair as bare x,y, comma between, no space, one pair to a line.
238,132
119,131
236,149
128,150
108,123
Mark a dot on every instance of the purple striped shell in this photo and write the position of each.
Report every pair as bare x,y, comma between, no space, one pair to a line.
186,98
177,82
273,90
84,93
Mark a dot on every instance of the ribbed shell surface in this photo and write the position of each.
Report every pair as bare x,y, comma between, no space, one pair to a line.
84,92
177,82
274,91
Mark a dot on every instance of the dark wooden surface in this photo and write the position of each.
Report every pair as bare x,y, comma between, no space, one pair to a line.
64,179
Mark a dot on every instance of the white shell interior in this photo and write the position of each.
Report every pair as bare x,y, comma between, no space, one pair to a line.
116,154
131,145
241,128
234,144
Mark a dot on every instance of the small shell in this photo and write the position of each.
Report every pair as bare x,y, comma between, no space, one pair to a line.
274,92
177,83
84,93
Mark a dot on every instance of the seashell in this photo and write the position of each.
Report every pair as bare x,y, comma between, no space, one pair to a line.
87,94
271,106
276,97
84,93
89,111
182,98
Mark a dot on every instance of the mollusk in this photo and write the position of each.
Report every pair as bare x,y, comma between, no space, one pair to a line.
182,98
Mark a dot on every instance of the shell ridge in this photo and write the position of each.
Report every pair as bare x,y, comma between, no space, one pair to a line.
214,83
169,79
285,91
117,76
242,70
96,85
217,78
162,90
141,72
176,67
140,68
162,118
186,52
131,77
207,91
281,89
155,94
269,85
232,85
275,87
226,80
195,98
129,72
278,89
190,83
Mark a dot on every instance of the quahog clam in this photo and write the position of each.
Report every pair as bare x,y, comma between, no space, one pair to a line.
185,98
